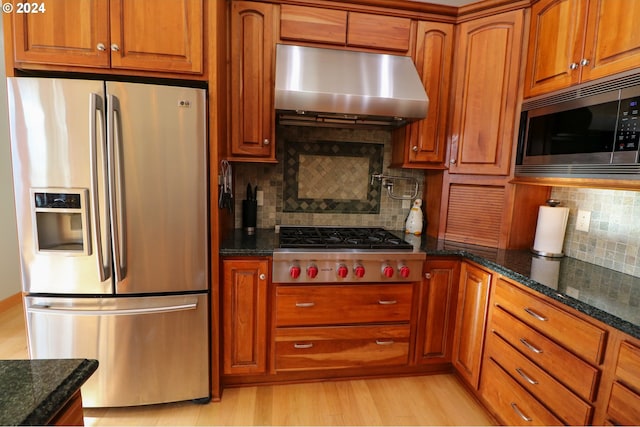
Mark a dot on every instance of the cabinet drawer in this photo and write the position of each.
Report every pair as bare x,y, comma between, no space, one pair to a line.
342,304
560,400
313,24
628,366
567,368
513,404
341,347
582,338
624,406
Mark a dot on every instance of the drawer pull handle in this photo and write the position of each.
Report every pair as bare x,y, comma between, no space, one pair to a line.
526,377
529,346
535,315
519,412
384,342
305,304
307,345
387,302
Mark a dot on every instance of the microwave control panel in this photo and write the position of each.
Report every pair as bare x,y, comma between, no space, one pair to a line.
628,133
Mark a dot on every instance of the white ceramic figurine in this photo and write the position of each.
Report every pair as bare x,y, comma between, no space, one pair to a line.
414,219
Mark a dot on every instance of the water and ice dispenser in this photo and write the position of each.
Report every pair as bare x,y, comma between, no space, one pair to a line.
61,221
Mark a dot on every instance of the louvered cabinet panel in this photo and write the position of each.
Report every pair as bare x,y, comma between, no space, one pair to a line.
475,214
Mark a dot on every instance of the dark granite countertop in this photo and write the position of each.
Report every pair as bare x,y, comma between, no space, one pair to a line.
604,294
33,391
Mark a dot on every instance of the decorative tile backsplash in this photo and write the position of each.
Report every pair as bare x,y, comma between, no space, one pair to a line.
613,240
332,177
345,180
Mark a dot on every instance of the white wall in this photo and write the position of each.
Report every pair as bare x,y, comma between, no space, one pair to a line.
9,258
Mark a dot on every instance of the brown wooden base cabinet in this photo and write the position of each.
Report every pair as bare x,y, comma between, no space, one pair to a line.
468,342
437,311
245,317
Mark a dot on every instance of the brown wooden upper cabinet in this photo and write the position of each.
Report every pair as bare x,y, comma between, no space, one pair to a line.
423,144
119,34
253,27
345,28
485,95
573,41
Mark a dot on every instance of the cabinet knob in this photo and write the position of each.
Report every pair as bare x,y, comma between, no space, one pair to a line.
452,161
427,275
584,62
414,148
101,47
262,276
115,47
266,141
573,66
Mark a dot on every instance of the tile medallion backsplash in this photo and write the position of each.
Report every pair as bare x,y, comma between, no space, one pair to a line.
332,177
323,177
613,239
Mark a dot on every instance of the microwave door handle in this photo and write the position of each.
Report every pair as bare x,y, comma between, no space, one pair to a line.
114,141
96,106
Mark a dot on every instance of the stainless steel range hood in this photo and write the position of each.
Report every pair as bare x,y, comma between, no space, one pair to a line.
328,87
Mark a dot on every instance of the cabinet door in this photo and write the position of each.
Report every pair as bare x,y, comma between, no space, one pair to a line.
468,340
313,24
613,40
378,32
252,80
245,316
487,67
157,36
555,45
437,311
425,141
63,35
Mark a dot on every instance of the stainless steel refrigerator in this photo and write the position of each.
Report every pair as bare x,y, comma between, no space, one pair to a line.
110,181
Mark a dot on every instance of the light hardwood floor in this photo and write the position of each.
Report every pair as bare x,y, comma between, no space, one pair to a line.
425,400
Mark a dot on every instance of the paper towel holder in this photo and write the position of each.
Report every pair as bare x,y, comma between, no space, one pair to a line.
541,248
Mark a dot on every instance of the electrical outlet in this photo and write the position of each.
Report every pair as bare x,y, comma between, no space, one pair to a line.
582,220
406,204
260,197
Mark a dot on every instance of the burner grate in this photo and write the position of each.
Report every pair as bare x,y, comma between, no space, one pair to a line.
340,238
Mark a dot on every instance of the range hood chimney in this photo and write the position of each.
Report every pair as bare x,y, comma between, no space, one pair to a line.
329,87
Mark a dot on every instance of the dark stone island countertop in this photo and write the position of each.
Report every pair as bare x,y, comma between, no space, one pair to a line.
33,391
604,294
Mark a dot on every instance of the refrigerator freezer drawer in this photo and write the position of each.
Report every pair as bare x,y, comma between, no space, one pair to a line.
151,349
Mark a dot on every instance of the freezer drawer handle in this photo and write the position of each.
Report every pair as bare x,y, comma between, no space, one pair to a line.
124,312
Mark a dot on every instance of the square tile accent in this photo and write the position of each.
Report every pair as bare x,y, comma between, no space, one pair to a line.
332,177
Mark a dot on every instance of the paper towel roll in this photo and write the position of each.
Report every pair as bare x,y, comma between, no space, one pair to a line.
552,224
545,271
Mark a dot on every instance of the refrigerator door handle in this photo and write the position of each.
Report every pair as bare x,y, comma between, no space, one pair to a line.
114,142
43,308
96,105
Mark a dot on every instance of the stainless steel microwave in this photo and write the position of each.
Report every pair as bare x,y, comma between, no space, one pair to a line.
591,131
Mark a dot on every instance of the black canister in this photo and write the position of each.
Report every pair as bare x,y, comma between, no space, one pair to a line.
249,215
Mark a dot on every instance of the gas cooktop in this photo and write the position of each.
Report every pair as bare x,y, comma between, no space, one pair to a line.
306,237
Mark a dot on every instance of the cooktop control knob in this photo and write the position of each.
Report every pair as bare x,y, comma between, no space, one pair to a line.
342,271
358,270
294,271
312,271
404,271
387,271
